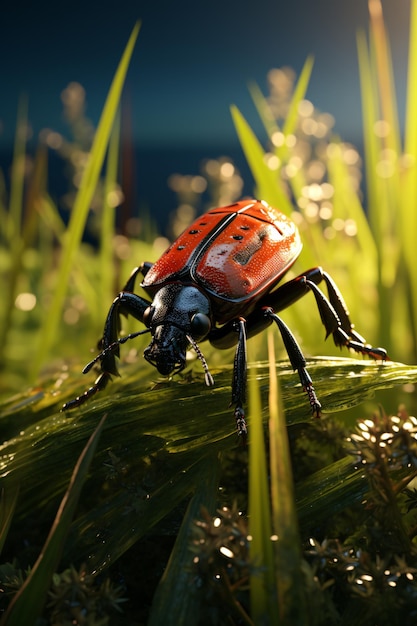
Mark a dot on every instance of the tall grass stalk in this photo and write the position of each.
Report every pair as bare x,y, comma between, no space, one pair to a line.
287,548
263,597
28,602
108,221
82,205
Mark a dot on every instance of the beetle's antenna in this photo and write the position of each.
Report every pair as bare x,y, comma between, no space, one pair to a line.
207,376
112,347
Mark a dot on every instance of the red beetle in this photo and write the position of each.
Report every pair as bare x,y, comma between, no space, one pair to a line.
216,282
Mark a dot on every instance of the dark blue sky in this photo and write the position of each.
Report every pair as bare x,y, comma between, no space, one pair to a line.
192,60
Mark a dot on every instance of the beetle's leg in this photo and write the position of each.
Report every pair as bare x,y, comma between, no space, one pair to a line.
333,310
239,379
142,269
297,360
279,299
126,303
99,385
336,320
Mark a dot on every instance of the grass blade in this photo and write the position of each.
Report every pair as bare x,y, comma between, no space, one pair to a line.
27,605
267,183
287,548
176,600
82,204
263,599
108,219
300,91
8,501
409,196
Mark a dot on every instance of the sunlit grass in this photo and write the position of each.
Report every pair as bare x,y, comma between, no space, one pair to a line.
368,247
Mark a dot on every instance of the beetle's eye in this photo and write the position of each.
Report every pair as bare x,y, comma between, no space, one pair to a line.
147,316
200,325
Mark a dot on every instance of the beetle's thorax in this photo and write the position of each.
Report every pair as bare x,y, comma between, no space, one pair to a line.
175,312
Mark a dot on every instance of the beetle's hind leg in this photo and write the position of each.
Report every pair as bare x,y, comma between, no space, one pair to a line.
297,360
335,317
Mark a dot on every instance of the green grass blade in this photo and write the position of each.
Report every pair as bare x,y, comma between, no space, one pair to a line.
82,204
177,598
263,598
381,189
167,435
299,93
268,186
287,547
409,195
370,114
107,276
27,605
8,501
264,111
283,151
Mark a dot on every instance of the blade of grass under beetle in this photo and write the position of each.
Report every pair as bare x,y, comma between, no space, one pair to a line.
262,582
288,558
82,203
27,604
165,430
177,599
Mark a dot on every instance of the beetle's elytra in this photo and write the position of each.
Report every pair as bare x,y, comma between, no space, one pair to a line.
217,282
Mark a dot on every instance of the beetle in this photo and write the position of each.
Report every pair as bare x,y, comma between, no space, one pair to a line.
218,282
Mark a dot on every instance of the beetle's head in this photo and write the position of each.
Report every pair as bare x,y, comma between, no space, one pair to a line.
178,316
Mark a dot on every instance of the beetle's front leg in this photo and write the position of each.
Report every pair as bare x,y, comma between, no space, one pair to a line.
126,303
239,379
142,269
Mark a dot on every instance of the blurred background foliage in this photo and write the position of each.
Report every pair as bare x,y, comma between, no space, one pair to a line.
355,221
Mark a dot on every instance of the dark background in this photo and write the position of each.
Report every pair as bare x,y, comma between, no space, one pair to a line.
192,60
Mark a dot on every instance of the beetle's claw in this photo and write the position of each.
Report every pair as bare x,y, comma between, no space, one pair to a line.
99,384
314,402
355,342
242,429
308,387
